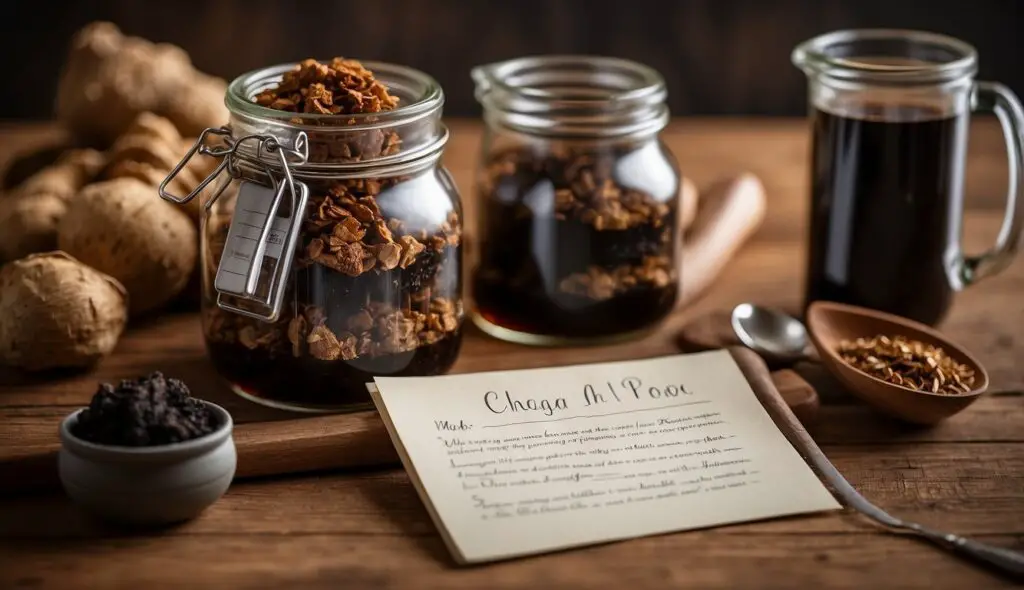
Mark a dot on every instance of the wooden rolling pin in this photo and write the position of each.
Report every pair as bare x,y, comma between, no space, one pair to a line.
688,198
728,213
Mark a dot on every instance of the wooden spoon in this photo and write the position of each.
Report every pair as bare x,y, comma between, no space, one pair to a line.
829,323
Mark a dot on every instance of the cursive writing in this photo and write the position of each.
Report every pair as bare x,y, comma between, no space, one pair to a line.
499,404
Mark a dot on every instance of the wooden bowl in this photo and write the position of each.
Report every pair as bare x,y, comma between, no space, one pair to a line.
829,323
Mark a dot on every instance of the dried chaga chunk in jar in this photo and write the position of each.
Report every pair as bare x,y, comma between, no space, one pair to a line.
569,250
341,87
376,279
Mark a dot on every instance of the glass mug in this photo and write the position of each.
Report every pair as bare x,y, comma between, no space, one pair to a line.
890,112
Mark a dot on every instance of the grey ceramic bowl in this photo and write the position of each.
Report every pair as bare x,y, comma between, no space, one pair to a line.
154,485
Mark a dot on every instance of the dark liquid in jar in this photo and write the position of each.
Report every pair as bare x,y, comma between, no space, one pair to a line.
518,288
885,207
326,385
577,242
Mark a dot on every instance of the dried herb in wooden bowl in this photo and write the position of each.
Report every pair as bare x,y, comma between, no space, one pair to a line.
908,363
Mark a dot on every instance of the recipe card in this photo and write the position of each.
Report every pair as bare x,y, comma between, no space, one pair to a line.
511,463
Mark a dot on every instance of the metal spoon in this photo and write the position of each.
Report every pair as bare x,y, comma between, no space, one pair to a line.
771,333
779,335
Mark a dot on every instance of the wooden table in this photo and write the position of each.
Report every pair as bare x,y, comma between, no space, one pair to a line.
369,529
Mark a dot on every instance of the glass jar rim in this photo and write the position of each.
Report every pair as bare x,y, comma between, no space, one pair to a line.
817,56
572,95
651,85
238,98
418,121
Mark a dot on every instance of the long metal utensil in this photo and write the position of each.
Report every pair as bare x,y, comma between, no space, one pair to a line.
754,369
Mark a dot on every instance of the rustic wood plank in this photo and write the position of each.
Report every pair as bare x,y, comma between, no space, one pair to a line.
706,559
948,486
994,418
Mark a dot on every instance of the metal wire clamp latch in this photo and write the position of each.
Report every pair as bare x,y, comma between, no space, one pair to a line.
254,268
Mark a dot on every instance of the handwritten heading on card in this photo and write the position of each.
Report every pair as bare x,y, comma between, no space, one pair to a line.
512,463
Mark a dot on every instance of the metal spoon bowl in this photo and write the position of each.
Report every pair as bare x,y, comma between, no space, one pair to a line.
770,333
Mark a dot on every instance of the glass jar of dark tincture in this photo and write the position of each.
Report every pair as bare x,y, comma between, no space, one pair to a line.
331,237
577,200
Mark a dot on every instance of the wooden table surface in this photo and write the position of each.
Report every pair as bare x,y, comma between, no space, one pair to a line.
369,529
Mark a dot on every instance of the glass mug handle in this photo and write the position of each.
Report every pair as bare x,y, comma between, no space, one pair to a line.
991,97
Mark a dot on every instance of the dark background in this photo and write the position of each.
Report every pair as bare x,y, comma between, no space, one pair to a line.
719,57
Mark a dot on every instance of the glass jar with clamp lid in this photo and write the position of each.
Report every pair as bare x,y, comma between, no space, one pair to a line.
331,235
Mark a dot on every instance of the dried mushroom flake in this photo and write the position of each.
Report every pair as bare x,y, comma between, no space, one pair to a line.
232,328
908,363
352,236
377,329
584,188
598,283
341,87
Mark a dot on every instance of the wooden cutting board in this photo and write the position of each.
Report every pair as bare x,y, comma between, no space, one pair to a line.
272,447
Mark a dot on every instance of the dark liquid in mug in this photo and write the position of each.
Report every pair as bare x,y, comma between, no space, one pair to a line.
886,195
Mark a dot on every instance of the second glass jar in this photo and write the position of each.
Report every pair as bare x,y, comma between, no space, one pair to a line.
577,201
